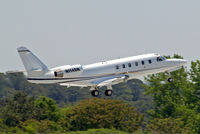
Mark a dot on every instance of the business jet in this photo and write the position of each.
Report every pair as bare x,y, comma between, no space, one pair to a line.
99,74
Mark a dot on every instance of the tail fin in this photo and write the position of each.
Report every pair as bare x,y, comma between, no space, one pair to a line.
33,66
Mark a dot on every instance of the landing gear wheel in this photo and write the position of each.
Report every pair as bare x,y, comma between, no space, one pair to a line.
95,93
170,79
108,92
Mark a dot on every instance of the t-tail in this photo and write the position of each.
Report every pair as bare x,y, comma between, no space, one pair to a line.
33,65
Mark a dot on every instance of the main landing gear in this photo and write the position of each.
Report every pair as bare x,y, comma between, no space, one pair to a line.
95,92
108,92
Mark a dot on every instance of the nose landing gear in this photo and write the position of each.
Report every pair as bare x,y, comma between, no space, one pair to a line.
170,79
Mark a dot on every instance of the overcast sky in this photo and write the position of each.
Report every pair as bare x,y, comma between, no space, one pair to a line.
63,32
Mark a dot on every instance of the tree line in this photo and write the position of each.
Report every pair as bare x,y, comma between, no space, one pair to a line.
25,114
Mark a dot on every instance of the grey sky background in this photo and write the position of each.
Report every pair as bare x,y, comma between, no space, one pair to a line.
63,32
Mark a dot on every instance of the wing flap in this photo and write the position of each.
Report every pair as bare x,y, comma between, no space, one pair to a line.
72,85
113,81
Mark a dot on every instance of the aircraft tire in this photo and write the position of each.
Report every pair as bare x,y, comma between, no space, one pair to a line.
170,79
108,92
95,93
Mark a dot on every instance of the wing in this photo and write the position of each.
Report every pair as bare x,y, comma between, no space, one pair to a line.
107,81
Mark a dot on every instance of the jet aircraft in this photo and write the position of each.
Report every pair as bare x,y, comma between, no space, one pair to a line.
99,74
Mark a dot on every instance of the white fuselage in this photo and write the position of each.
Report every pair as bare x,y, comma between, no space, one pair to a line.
92,74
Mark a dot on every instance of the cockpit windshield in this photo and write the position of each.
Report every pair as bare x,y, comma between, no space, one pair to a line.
161,58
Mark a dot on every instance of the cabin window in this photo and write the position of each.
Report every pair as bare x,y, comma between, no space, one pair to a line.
123,66
142,62
117,67
150,61
136,63
129,64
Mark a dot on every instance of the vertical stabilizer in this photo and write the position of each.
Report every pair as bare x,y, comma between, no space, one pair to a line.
33,66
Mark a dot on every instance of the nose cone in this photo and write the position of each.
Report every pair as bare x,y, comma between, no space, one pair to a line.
182,61
177,62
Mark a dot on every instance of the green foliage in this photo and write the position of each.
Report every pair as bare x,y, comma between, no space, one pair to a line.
103,113
23,114
99,131
167,126
167,95
191,117
19,108
33,126
175,56
17,80
133,93
3,126
30,126
46,108
195,78
5,86
178,100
